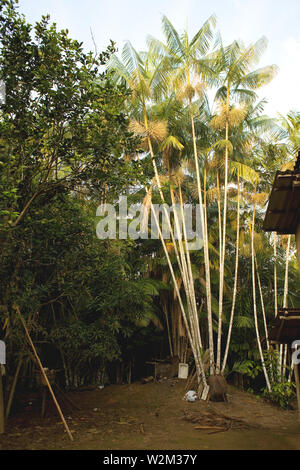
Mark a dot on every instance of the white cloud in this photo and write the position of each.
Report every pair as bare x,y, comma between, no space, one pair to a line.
283,93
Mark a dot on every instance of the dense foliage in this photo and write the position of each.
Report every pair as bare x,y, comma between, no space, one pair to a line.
72,136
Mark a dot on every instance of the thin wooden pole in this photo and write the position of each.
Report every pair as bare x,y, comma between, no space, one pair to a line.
44,399
44,374
14,384
296,370
296,373
275,277
13,388
297,237
2,419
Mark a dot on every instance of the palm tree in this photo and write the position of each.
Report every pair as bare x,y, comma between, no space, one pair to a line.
140,74
287,137
289,131
237,81
186,68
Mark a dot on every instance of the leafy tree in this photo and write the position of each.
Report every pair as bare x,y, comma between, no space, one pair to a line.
62,126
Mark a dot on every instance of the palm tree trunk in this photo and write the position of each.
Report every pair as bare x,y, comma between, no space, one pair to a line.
262,301
235,277
186,276
220,226
254,299
206,251
193,295
165,310
190,332
195,332
160,188
222,266
198,361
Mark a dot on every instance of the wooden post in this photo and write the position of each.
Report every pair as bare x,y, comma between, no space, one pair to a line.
296,369
297,238
44,399
44,374
1,404
13,388
296,372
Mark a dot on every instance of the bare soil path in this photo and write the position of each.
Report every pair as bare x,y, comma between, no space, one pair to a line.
154,416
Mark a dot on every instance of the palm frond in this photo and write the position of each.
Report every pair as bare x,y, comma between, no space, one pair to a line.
246,172
201,41
116,66
171,142
259,77
156,130
172,37
131,59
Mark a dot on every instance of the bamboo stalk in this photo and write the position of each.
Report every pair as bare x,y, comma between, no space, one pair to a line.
44,374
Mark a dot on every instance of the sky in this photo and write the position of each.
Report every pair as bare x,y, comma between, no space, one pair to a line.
134,20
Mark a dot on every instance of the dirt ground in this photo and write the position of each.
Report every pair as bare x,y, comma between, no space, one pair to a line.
152,416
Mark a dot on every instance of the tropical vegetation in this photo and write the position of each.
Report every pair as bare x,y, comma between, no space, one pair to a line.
180,123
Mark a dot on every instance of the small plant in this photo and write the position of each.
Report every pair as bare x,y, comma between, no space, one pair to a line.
248,368
282,391
282,394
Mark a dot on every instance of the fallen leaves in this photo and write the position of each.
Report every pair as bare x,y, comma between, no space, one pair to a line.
215,422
